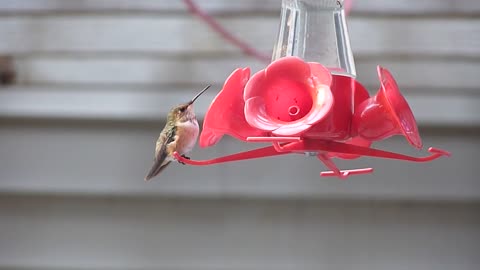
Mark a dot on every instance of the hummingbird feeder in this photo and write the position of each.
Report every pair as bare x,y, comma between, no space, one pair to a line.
307,100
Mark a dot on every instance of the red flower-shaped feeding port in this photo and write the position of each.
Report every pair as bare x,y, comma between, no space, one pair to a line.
288,97
285,99
301,107
386,114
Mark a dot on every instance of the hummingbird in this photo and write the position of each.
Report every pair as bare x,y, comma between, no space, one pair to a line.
179,134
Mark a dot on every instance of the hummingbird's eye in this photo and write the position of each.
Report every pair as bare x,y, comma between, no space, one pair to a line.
182,109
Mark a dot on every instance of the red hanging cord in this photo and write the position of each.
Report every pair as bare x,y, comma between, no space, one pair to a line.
217,27
193,8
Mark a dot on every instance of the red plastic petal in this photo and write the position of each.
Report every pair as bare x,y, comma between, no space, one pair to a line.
291,129
225,115
210,137
256,115
323,103
255,86
320,73
293,68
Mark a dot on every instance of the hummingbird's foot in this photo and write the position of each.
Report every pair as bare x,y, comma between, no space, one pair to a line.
181,162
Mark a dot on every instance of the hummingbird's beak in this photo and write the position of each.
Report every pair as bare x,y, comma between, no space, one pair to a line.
199,94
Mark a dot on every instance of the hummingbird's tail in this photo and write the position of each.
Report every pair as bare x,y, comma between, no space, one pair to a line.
156,169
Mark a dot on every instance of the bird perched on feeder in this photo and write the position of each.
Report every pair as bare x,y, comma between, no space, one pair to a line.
179,135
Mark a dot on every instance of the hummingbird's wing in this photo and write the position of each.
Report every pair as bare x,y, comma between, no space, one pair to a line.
161,153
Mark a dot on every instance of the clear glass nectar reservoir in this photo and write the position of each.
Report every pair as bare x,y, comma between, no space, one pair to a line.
315,30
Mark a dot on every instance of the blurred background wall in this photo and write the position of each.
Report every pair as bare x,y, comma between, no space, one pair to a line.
85,88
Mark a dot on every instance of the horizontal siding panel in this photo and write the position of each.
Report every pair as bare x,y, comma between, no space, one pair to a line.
416,74
112,159
437,75
121,234
138,34
109,104
416,36
92,103
139,70
218,6
186,35
411,7
50,6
